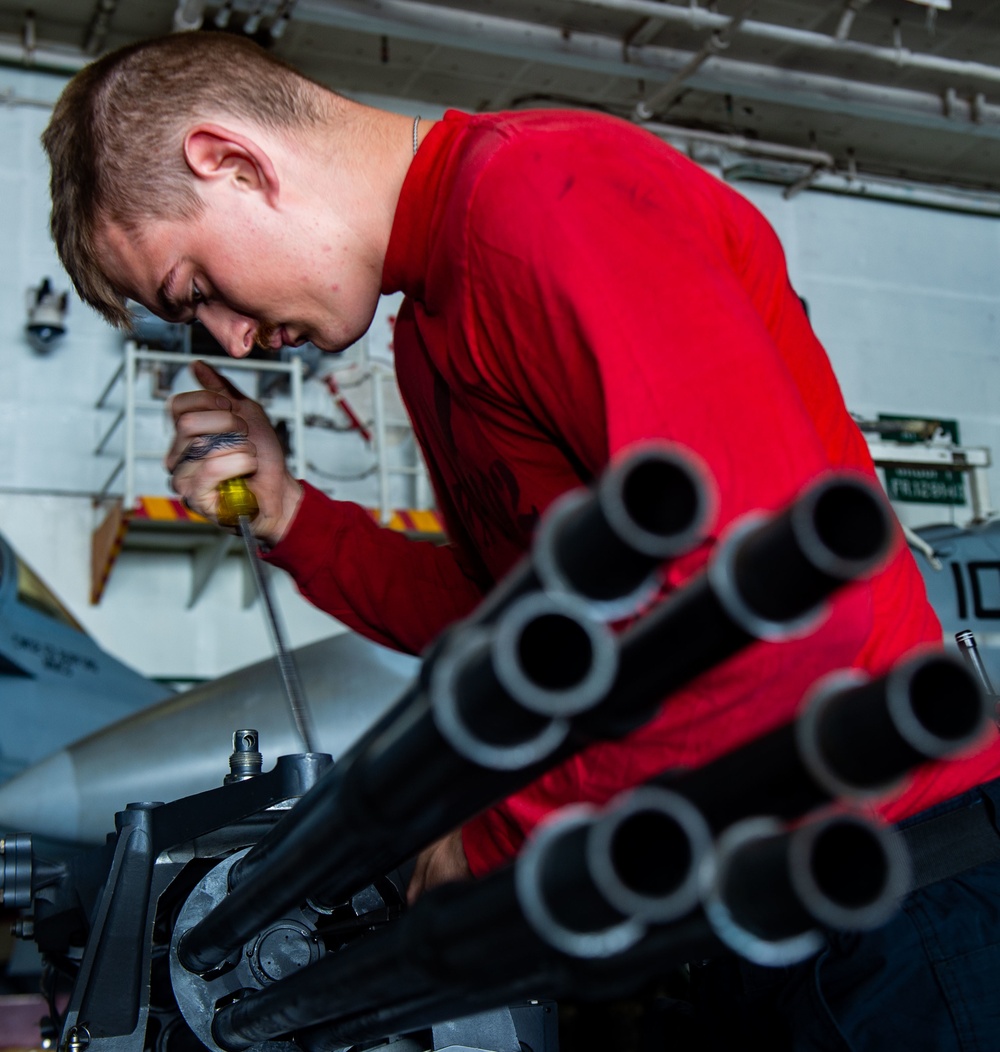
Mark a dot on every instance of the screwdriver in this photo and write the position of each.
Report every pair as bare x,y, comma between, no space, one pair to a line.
238,507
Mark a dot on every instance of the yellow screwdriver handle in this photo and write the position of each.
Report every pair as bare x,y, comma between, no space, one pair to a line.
236,498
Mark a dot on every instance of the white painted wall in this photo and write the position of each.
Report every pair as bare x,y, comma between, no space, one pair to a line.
906,301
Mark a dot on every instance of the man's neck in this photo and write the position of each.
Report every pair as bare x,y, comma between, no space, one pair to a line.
355,163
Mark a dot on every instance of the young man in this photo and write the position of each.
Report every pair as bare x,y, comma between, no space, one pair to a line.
573,286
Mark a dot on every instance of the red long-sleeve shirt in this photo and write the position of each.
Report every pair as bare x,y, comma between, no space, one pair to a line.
573,286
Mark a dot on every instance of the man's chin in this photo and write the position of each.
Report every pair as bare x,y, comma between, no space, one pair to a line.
330,346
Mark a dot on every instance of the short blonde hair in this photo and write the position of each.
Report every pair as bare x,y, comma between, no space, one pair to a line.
116,138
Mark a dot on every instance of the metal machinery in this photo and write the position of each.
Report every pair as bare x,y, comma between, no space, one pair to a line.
268,913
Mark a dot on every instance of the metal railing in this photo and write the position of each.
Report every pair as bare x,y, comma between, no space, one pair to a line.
381,374
127,415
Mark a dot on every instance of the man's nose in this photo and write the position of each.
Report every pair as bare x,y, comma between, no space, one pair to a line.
233,332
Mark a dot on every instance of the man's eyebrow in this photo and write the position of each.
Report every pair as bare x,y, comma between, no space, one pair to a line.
169,307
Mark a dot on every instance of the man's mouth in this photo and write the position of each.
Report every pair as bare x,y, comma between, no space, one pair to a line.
270,337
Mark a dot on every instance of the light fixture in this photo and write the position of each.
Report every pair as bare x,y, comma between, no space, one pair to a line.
46,316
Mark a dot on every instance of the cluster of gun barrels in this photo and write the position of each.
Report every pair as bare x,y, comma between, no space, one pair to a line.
758,852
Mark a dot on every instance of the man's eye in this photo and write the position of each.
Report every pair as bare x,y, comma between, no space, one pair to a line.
198,296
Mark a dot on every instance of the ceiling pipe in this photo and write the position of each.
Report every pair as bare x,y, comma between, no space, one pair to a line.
9,97
851,8
660,100
741,144
448,27
952,199
100,24
281,19
14,52
816,160
968,114
897,57
489,34
189,15
539,44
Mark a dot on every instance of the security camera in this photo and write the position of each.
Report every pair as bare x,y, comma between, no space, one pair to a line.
46,316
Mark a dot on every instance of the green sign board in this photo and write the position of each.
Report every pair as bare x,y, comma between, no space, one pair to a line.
919,485
925,485
917,429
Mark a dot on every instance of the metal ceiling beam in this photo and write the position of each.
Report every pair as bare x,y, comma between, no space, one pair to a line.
526,41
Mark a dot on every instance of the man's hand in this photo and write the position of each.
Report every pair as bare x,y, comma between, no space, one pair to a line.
196,468
441,862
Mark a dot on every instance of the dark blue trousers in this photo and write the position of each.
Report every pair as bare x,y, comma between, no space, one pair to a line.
928,981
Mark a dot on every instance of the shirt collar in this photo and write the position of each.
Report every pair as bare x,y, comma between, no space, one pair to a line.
424,190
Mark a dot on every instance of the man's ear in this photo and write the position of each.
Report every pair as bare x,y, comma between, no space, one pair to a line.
213,152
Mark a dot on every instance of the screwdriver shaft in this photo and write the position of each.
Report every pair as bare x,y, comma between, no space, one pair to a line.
238,507
286,666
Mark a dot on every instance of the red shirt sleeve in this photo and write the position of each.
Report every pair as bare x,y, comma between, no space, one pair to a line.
391,589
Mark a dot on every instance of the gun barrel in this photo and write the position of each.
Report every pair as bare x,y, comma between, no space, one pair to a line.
590,885
479,944
838,530
853,738
651,506
860,740
775,888
768,579
503,700
605,544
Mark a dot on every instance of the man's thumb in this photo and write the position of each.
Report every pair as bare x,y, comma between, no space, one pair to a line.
213,381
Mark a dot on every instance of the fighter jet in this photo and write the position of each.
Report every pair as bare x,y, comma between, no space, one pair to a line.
56,683
961,569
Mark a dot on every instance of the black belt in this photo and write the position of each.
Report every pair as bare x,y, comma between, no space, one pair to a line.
948,844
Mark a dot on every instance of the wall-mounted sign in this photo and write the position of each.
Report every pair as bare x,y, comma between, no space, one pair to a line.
925,485
922,485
